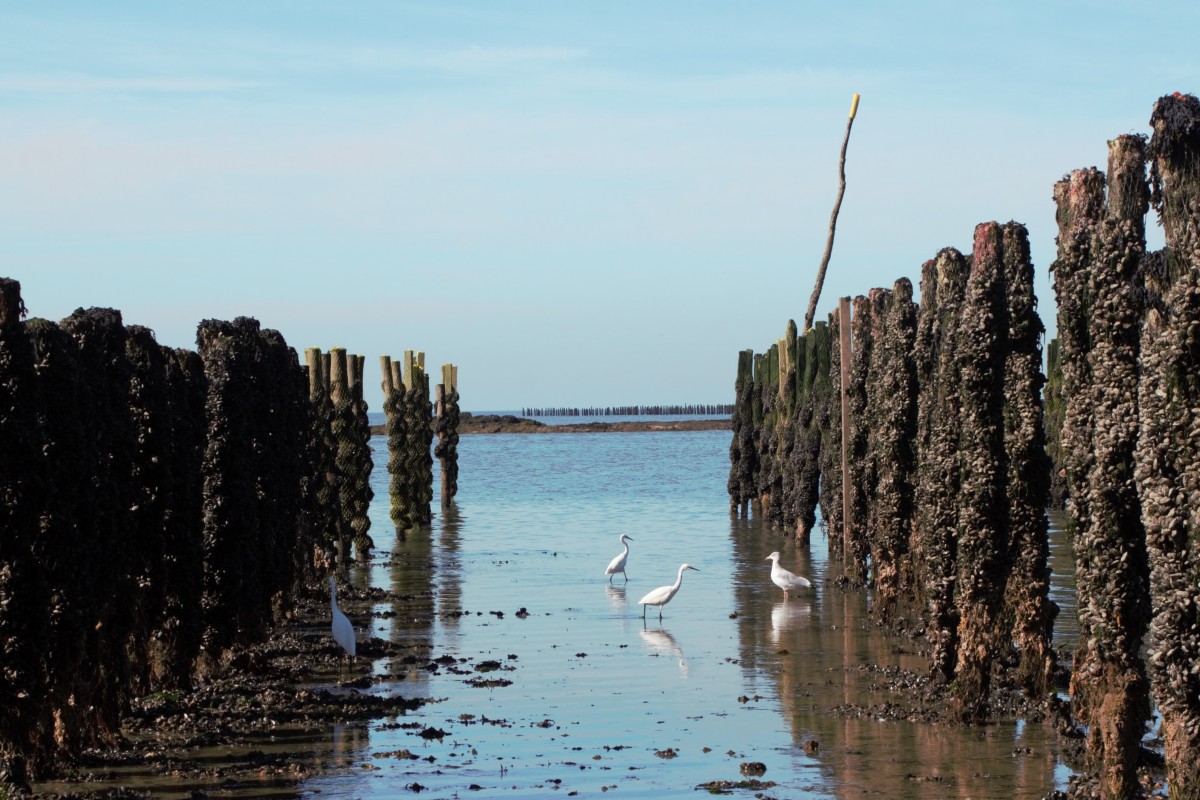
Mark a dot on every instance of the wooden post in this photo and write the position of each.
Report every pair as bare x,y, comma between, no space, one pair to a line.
439,393
312,356
385,369
11,307
409,361
845,348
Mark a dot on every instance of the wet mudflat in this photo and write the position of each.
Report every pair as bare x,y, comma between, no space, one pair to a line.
542,678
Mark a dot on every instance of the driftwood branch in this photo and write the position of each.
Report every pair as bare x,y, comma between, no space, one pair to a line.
837,206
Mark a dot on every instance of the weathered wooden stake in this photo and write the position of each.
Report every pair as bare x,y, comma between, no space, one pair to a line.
837,206
846,343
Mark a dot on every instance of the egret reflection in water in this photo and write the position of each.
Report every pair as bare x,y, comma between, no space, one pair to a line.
661,643
616,597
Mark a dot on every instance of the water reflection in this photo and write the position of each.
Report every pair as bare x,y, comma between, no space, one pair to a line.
786,615
661,643
346,744
449,565
616,598
817,652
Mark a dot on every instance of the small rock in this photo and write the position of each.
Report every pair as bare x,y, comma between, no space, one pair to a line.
753,769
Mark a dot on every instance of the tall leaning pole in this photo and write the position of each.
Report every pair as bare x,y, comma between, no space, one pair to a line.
837,207
844,334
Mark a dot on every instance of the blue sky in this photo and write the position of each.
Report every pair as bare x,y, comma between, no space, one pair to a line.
579,203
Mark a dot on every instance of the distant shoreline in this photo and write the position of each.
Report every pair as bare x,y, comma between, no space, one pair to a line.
507,423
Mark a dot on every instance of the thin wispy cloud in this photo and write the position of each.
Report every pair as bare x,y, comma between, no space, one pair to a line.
477,57
74,83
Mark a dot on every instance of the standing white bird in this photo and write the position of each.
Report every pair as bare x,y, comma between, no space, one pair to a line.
663,594
343,631
784,579
618,563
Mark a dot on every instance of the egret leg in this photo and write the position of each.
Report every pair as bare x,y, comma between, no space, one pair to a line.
643,613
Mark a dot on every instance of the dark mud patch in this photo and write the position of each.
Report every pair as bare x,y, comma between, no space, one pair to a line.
263,723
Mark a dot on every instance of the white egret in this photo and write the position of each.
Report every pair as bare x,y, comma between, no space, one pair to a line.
343,631
618,563
784,579
663,594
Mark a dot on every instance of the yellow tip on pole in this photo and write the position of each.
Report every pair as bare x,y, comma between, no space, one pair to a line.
854,106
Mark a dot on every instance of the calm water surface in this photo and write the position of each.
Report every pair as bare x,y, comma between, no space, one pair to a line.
602,702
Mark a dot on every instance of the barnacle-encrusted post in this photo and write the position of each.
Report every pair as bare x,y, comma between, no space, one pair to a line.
1098,322
982,515
741,446
769,486
397,436
27,743
859,479
345,434
418,410
1028,592
363,493
448,414
829,420
166,405
810,420
790,352
1168,455
107,588
1056,406
252,475
935,543
894,390
326,479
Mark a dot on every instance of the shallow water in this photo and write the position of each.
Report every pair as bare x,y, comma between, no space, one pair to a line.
585,697
601,701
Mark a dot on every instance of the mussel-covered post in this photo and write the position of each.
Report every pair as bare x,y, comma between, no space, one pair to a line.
111,551
166,402
742,454
1168,453
894,421
1028,592
1055,408
859,479
943,286
397,437
363,493
27,743
810,421
830,421
418,412
448,414
769,480
345,434
326,500
982,515
1099,314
